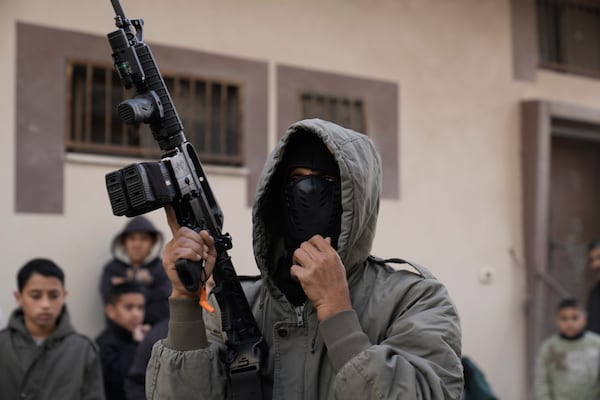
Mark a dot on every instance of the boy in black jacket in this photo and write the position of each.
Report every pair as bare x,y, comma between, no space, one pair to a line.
136,258
124,330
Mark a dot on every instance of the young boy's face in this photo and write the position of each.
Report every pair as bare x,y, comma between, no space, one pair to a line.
138,245
594,258
42,300
570,321
128,311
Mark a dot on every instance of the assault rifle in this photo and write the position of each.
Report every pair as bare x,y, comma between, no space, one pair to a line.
178,180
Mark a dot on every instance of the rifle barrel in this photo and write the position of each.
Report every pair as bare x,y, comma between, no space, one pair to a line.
118,9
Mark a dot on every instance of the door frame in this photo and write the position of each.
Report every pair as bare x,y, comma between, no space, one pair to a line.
538,126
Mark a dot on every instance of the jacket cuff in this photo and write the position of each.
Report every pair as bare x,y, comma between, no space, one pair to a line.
344,338
186,326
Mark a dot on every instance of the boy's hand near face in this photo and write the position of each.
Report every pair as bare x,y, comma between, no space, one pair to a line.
140,331
117,280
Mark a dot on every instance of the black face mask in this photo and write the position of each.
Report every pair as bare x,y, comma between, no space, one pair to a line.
312,205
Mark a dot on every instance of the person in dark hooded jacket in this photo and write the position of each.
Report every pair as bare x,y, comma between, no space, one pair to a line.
339,323
136,252
476,385
593,300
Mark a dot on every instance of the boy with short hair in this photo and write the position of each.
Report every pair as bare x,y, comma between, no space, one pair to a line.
118,342
568,362
42,356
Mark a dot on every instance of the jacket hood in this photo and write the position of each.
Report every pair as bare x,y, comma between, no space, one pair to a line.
137,224
360,177
63,325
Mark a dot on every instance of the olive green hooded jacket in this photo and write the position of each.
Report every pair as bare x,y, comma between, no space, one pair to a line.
65,366
400,341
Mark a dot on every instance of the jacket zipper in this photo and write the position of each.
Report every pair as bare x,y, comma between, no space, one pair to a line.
299,311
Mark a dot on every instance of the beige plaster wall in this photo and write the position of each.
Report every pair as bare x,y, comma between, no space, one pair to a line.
460,205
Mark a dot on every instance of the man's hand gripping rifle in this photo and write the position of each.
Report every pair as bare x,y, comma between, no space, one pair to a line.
178,180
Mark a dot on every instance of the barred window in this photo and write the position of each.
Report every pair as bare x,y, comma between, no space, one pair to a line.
346,112
569,35
209,110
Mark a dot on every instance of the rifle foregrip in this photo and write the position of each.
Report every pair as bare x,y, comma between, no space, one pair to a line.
170,121
190,274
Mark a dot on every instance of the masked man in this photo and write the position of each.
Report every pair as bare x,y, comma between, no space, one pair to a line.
339,323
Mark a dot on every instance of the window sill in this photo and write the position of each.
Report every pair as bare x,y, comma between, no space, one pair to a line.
120,162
